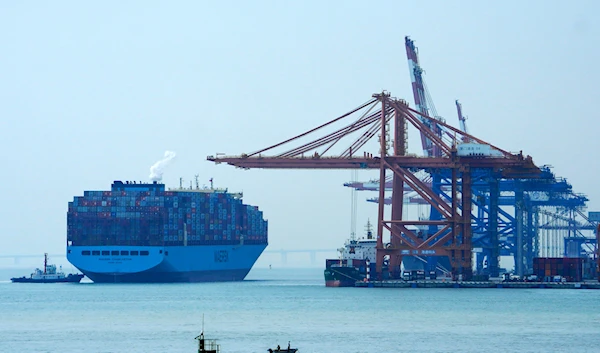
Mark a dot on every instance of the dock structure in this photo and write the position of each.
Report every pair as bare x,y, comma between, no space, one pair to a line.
477,284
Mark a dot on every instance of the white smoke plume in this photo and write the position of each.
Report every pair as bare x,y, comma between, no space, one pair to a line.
156,171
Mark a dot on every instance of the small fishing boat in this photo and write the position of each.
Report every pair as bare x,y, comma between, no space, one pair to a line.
289,349
211,346
206,345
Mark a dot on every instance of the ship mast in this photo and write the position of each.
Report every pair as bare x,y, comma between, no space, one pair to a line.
45,261
369,229
204,345
201,347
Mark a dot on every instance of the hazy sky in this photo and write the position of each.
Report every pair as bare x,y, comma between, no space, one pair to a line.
96,92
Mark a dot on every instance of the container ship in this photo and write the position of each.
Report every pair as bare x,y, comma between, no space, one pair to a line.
141,232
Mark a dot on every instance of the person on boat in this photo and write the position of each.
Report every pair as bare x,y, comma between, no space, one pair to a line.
278,348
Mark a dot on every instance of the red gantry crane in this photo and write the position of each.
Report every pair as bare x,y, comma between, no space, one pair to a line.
453,238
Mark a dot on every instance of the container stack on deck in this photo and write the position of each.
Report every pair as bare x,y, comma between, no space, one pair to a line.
146,214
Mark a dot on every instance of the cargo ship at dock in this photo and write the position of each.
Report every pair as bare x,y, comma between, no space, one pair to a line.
355,257
358,258
143,233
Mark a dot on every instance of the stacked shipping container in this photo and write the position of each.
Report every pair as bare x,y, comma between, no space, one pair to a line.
573,269
147,215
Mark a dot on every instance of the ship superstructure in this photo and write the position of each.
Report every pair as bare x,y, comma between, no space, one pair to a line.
141,232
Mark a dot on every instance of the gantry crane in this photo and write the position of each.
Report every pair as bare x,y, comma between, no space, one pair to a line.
453,235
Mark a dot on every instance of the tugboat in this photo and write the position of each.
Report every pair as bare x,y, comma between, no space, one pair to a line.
49,275
288,350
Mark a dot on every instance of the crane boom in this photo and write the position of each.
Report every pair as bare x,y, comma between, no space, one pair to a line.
421,97
416,79
461,118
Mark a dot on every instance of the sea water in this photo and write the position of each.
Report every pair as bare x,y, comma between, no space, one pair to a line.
272,307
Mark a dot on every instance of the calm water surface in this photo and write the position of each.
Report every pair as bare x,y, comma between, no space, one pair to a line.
274,306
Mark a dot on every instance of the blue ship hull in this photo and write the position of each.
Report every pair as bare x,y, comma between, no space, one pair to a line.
164,264
169,277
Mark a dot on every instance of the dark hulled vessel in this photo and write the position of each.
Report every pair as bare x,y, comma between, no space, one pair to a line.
357,259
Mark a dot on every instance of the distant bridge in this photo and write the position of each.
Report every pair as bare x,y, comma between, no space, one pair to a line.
282,252
312,252
30,256
17,258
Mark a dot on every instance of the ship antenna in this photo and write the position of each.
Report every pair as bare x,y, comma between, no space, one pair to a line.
200,338
197,184
369,230
180,183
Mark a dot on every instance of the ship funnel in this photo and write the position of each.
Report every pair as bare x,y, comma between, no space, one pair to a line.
157,169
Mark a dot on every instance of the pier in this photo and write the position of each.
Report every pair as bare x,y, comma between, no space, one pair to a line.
475,284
